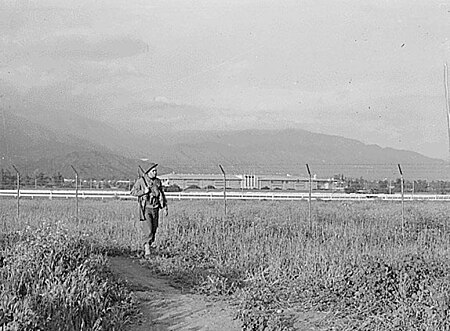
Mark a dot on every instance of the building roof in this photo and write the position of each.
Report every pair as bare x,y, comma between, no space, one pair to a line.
238,177
199,177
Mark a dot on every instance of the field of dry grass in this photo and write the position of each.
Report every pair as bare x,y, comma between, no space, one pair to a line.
353,265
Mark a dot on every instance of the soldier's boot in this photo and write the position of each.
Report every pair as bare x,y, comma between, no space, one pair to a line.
146,250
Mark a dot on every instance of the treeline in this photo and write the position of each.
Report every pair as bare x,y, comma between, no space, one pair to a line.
8,180
386,186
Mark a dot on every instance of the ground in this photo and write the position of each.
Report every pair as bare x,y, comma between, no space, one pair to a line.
164,306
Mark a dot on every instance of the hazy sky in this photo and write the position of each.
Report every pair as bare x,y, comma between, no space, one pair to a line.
369,70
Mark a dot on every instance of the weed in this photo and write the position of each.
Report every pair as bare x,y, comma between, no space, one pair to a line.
355,262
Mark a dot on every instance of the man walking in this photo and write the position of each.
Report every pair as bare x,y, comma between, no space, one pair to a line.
151,198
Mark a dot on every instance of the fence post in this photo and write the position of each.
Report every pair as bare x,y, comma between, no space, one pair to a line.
310,194
447,102
18,191
403,202
76,190
224,189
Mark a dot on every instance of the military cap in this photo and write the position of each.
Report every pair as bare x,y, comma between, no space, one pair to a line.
152,165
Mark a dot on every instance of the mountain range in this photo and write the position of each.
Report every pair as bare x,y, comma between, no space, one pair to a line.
55,141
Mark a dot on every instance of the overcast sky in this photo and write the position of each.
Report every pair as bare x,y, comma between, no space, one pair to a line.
369,70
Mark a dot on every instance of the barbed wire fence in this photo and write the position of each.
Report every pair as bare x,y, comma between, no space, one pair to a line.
414,172
384,178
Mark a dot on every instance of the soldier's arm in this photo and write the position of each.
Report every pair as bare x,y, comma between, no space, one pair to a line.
163,196
139,189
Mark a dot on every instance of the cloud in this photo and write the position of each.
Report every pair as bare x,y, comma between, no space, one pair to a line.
263,63
92,48
74,58
68,44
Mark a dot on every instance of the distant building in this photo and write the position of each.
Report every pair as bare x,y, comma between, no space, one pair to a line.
185,181
248,182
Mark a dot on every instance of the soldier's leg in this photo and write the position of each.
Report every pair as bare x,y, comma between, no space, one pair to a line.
154,224
146,229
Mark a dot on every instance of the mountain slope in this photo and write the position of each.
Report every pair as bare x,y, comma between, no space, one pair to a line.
38,147
96,132
34,148
22,140
287,151
95,165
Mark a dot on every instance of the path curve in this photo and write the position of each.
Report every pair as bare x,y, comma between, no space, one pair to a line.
165,307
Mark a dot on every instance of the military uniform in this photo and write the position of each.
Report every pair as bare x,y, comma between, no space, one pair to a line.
149,205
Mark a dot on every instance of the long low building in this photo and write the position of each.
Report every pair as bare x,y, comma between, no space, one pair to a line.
248,182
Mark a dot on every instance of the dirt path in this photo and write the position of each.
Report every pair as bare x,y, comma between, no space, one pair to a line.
165,307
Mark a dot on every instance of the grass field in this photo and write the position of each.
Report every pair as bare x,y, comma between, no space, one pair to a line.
354,264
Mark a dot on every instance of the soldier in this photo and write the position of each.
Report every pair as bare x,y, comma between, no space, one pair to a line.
151,199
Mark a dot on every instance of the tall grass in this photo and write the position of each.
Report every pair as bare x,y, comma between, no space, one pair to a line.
52,277
353,261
